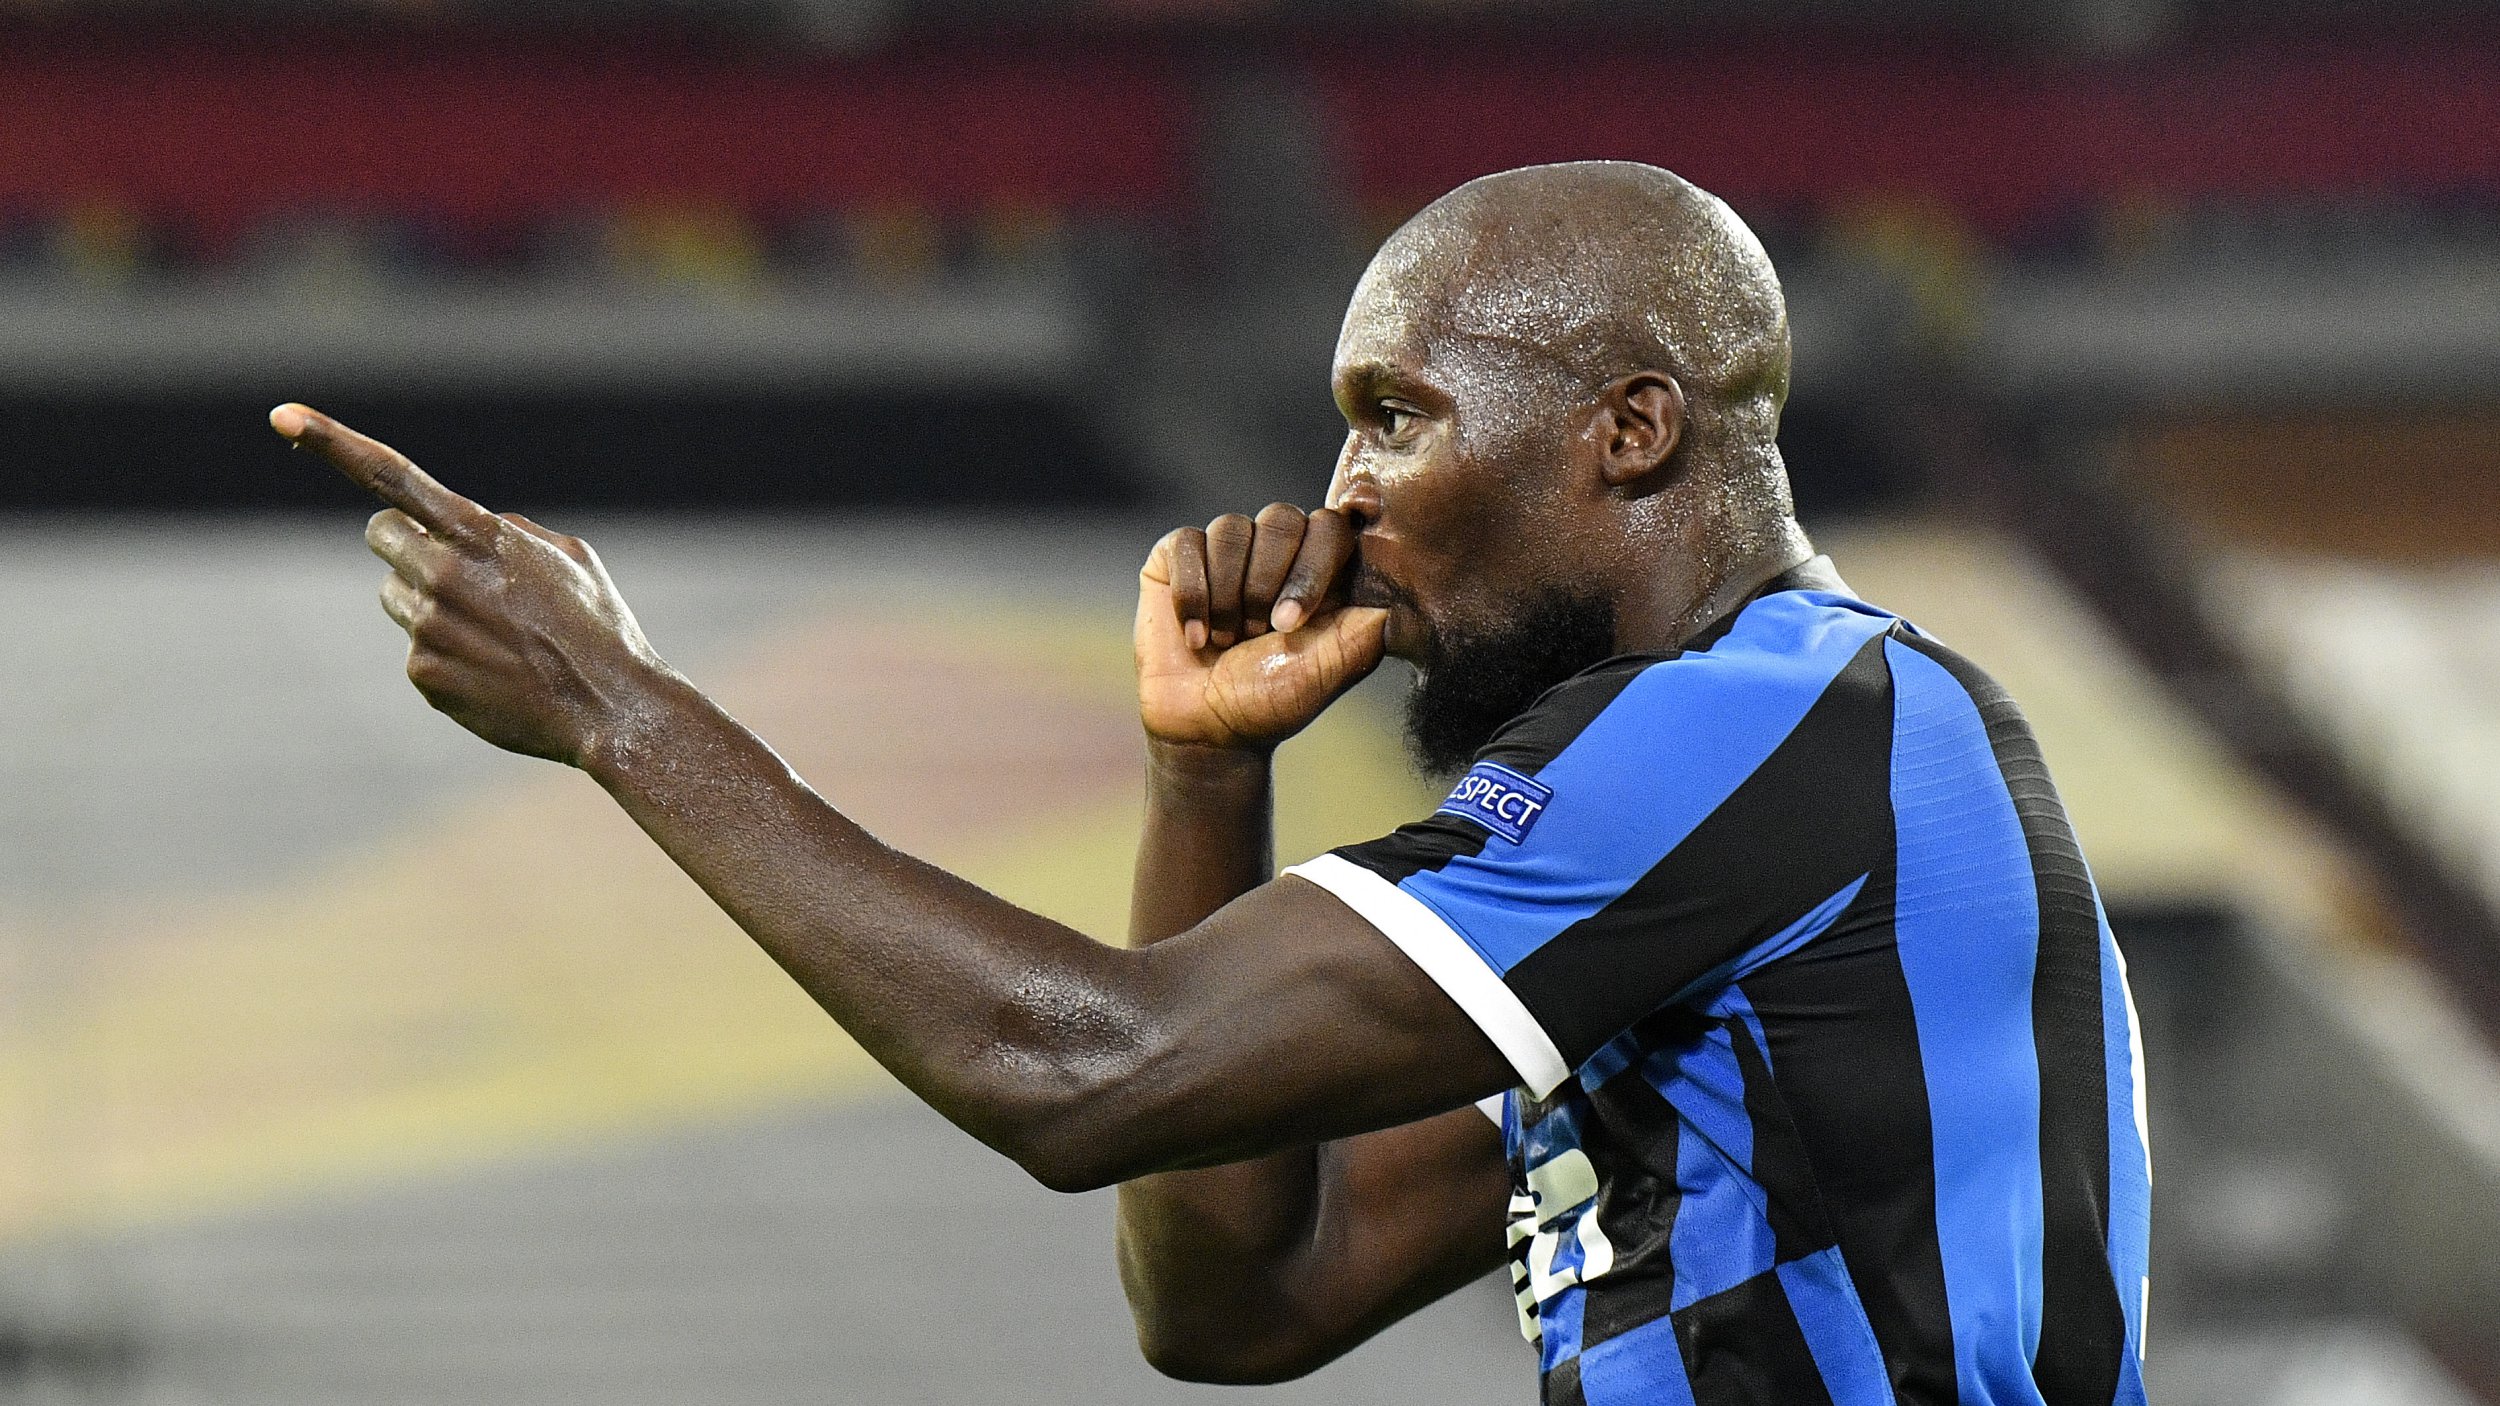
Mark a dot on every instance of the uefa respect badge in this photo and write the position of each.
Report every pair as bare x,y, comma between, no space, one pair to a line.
1499,799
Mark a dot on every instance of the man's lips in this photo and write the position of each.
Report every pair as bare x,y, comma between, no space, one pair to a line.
1372,587
1408,629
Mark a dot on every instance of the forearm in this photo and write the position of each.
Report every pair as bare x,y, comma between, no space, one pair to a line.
1207,838
1002,1020
1396,1218
1282,1021
1208,1251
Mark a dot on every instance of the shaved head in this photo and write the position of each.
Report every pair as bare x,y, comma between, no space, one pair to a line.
1601,269
1562,388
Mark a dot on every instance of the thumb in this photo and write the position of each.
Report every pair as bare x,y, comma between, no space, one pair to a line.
1358,634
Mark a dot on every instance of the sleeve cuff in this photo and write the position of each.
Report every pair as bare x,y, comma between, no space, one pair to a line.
1454,966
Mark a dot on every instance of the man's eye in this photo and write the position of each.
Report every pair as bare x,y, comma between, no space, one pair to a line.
1396,423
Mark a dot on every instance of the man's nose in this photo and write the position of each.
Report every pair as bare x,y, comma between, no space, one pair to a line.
1353,493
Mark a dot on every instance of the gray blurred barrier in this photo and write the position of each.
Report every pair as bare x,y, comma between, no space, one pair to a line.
867,1254
2326,1143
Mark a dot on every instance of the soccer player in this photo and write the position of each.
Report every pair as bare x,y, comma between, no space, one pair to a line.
1748,993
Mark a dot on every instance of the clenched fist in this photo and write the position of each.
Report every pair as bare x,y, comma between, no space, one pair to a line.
1242,638
515,632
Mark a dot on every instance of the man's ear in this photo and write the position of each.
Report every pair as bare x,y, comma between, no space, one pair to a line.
1640,421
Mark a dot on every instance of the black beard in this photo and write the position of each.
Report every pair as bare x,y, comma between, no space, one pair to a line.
1473,681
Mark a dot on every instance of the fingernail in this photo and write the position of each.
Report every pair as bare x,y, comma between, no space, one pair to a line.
289,419
1196,633
1285,616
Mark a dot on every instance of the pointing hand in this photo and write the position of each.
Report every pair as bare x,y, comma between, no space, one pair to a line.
514,631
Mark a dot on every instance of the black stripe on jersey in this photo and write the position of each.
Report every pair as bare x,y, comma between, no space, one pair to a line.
1418,846
1799,1226
2083,1326
1809,821
1639,1200
1742,1347
1856,1092
1562,1385
1525,745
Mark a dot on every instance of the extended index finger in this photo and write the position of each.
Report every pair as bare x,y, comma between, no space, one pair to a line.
384,472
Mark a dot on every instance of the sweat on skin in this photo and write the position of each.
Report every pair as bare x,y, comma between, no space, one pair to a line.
1562,388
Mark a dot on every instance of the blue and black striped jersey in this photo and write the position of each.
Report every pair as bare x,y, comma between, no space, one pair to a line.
1831,1085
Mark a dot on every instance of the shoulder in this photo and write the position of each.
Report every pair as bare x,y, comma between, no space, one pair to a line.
1774,659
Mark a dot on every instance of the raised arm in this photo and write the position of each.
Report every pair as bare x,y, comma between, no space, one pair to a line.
1265,1269
1282,1020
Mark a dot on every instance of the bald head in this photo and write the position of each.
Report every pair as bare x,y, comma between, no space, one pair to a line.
1600,269
1562,389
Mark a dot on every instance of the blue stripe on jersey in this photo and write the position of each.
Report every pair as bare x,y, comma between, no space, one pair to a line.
2130,1164
1967,926
1644,1367
1686,734
1721,1236
1733,1004
1611,1059
1559,1322
2130,1382
1835,1327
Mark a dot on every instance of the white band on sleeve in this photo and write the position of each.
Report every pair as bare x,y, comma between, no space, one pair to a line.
1453,965
1492,1108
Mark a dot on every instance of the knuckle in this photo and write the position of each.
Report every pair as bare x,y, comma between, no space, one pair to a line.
1281,515
1229,526
1161,551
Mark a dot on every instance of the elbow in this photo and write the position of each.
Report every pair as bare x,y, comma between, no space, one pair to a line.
1193,1363
1222,1370
1069,1172
1247,1335
1074,1141
1227,1359
1080,1090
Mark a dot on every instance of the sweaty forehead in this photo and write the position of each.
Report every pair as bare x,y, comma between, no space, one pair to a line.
1390,321
1438,292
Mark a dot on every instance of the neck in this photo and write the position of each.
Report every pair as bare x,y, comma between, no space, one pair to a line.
1699,582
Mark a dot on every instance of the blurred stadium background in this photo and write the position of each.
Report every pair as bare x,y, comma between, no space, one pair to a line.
874,341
